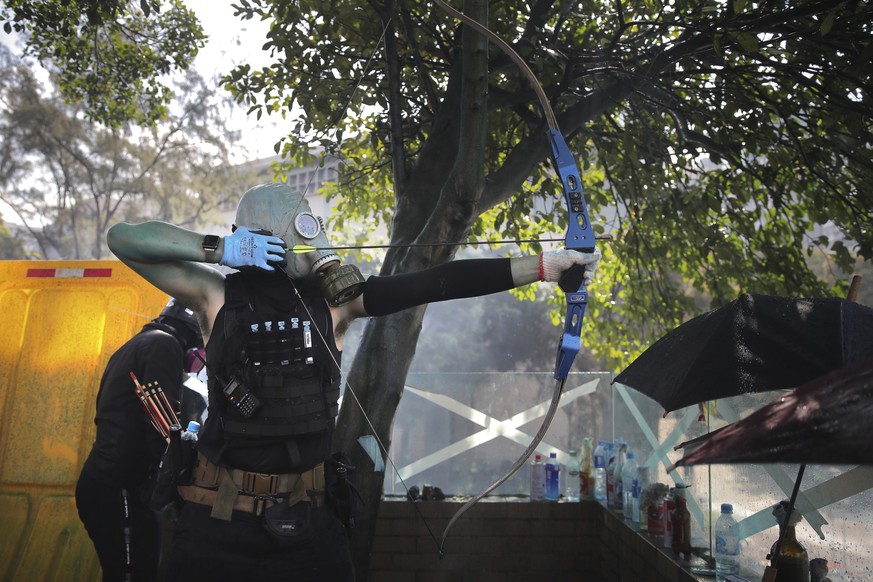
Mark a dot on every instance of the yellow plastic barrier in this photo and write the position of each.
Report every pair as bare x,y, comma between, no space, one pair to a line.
62,320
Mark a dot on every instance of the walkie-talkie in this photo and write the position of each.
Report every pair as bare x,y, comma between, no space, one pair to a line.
241,397
236,393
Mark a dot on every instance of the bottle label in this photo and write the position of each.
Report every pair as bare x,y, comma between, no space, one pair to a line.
668,507
655,523
538,482
553,488
727,544
585,486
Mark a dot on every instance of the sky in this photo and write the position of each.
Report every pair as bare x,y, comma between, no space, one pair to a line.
233,41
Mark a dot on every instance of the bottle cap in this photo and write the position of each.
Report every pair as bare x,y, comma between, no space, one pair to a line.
727,508
631,455
193,426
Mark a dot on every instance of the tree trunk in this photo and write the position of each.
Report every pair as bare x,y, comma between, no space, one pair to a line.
375,383
378,374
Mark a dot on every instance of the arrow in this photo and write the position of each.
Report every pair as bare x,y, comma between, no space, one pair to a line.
300,249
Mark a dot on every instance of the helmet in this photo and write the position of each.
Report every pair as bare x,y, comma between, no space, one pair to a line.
183,321
283,211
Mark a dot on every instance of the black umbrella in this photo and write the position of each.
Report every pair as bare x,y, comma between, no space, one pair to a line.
826,421
753,344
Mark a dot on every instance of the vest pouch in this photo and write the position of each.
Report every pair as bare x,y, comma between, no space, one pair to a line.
342,495
290,525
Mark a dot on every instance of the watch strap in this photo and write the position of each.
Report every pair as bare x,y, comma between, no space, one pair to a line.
210,246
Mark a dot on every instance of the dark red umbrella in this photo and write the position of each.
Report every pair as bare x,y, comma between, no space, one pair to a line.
756,343
826,421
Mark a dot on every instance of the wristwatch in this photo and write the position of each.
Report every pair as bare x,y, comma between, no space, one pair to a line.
210,245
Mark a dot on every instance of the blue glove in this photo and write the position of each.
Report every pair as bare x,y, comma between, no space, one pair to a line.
252,248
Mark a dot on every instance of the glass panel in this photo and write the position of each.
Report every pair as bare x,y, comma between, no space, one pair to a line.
459,432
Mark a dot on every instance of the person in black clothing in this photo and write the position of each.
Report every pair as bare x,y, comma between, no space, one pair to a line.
112,493
261,505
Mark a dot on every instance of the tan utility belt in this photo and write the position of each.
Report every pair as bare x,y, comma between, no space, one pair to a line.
225,488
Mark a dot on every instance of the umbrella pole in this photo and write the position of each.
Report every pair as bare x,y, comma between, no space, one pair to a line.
770,571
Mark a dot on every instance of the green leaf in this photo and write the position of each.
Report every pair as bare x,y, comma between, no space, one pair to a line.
748,41
828,23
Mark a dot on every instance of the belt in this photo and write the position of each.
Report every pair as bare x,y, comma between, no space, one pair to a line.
226,489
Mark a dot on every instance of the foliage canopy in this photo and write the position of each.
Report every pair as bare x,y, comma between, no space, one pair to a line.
110,55
67,179
721,143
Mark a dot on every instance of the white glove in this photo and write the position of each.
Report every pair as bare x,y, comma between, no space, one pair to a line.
553,264
251,248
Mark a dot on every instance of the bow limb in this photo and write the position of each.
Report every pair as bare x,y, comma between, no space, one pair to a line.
510,52
535,442
579,236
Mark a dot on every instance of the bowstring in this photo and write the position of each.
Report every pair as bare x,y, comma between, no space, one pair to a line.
348,103
351,390
382,447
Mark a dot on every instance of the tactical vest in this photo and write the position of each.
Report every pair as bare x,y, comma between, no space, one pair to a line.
277,378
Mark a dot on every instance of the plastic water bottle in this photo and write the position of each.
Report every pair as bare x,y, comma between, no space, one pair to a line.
628,475
600,471
553,478
586,469
571,484
537,479
613,477
611,456
641,481
727,544
191,433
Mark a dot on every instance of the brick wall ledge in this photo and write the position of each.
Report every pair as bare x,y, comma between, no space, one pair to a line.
513,540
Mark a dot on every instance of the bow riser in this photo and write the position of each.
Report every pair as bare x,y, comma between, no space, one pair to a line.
579,237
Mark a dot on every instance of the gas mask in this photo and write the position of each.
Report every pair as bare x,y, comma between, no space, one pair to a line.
283,211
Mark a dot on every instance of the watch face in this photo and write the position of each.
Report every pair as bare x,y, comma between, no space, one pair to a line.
210,242
307,225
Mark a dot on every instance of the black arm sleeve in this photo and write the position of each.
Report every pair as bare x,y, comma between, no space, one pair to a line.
454,280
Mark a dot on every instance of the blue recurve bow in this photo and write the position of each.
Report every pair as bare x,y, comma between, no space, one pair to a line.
579,237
